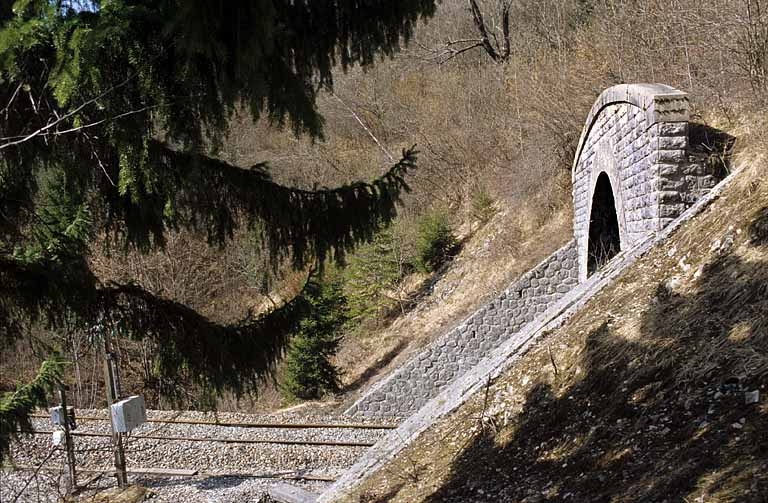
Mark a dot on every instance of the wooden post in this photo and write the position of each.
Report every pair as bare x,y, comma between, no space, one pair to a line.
113,393
72,481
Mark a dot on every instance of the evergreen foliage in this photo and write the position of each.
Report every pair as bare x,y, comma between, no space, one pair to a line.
15,407
309,372
482,205
374,269
114,113
234,357
435,242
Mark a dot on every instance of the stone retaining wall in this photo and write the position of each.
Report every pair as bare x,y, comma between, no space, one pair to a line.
460,349
504,356
637,135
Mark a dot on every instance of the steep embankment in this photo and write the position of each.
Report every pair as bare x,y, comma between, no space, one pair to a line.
490,258
642,396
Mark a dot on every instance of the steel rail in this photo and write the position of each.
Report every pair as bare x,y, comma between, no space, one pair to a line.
326,443
352,426
159,472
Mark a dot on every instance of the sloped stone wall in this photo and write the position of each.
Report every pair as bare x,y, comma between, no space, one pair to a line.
638,135
460,349
504,356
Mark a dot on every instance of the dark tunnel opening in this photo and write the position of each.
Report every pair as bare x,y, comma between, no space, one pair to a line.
604,240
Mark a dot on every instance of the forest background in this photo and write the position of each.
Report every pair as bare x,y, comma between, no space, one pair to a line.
493,93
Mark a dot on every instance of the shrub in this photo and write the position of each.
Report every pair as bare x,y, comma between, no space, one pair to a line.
309,373
435,242
483,205
373,271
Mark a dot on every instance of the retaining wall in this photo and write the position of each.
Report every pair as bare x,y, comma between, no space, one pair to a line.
460,349
504,356
638,135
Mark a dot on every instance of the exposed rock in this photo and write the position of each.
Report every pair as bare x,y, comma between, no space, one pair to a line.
751,397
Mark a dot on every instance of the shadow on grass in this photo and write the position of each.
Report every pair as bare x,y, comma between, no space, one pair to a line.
660,419
372,497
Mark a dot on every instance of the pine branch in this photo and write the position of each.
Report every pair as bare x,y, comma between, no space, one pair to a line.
219,357
304,225
60,119
234,357
191,65
16,407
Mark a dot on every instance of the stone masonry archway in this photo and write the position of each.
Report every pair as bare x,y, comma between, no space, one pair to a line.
633,174
636,136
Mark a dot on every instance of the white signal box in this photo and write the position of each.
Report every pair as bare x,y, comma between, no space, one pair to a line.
57,416
129,413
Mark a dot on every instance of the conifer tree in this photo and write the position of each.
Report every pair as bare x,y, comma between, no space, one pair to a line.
113,113
435,242
309,372
16,406
372,271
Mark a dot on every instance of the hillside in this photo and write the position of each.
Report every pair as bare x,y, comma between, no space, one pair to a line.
645,395
505,127
655,391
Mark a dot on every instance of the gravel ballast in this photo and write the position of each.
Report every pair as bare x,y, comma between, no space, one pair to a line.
227,471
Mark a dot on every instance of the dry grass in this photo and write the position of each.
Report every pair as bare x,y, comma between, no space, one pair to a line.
512,127
509,129
648,400
489,261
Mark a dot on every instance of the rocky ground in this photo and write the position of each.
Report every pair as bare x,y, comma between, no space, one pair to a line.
226,471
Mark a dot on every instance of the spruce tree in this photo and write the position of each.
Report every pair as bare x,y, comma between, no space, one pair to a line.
113,114
435,243
309,372
373,270
16,406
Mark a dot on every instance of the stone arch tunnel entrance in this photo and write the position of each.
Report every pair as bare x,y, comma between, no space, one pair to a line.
631,174
604,238
634,172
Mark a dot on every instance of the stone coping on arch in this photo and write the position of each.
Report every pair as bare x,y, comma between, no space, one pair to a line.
659,102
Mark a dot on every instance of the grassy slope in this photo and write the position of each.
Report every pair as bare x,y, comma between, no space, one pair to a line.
647,402
485,265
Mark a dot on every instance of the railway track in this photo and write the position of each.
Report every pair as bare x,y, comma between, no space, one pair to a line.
251,450
356,426
327,443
